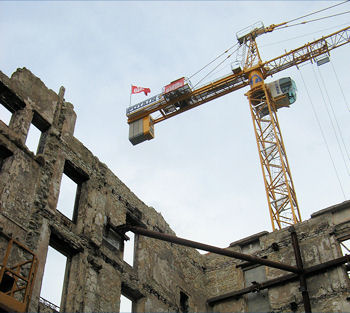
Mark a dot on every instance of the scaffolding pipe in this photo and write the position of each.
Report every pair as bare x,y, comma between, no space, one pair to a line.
302,278
296,272
201,246
253,288
313,270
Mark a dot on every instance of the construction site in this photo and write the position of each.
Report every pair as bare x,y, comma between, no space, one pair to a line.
299,266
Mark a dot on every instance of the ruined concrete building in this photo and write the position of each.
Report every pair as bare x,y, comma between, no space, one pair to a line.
288,270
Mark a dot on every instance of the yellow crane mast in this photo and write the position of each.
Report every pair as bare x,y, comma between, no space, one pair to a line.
264,98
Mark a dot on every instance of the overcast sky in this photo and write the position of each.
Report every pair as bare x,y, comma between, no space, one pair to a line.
202,171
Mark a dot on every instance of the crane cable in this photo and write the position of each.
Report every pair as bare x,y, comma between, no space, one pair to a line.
312,13
210,72
301,36
281,27
227,50
336,121
322,133
314,20
340,87
306,15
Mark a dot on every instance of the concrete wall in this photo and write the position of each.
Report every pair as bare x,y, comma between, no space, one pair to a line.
96,274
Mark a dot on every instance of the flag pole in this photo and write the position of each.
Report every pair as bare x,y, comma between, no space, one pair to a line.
130,94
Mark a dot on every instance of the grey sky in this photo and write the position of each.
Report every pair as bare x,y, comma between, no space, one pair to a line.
201,172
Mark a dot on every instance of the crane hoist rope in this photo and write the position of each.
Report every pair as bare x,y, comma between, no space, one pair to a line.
334,125
341,89
322,134
265,99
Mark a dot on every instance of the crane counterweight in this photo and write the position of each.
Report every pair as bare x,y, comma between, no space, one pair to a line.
141,130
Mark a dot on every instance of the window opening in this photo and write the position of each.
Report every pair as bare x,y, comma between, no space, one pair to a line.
67,197
125,304
184,307
111,239
37,134
5,114
129,248
345,248
4,154
70,190
33,138
53,279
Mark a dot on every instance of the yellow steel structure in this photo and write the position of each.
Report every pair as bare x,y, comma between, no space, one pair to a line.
18,268
282,201
279,187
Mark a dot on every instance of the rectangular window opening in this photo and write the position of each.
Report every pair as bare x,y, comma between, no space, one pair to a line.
37,134
184,305
4,154
345,248
55,274
33,138
70,190
112,240
5,114
68,197
130,299
129,248
126,304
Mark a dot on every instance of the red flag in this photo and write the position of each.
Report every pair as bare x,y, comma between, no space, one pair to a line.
135,89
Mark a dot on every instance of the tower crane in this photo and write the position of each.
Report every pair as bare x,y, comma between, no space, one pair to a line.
265,99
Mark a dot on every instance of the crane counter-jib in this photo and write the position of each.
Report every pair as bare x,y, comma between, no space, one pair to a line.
173,90
188,97
174,102
134,109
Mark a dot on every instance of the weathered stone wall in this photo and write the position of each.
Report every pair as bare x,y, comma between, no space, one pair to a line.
319,242
29,190
96,274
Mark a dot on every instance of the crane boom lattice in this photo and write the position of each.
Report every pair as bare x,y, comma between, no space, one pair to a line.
282,201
